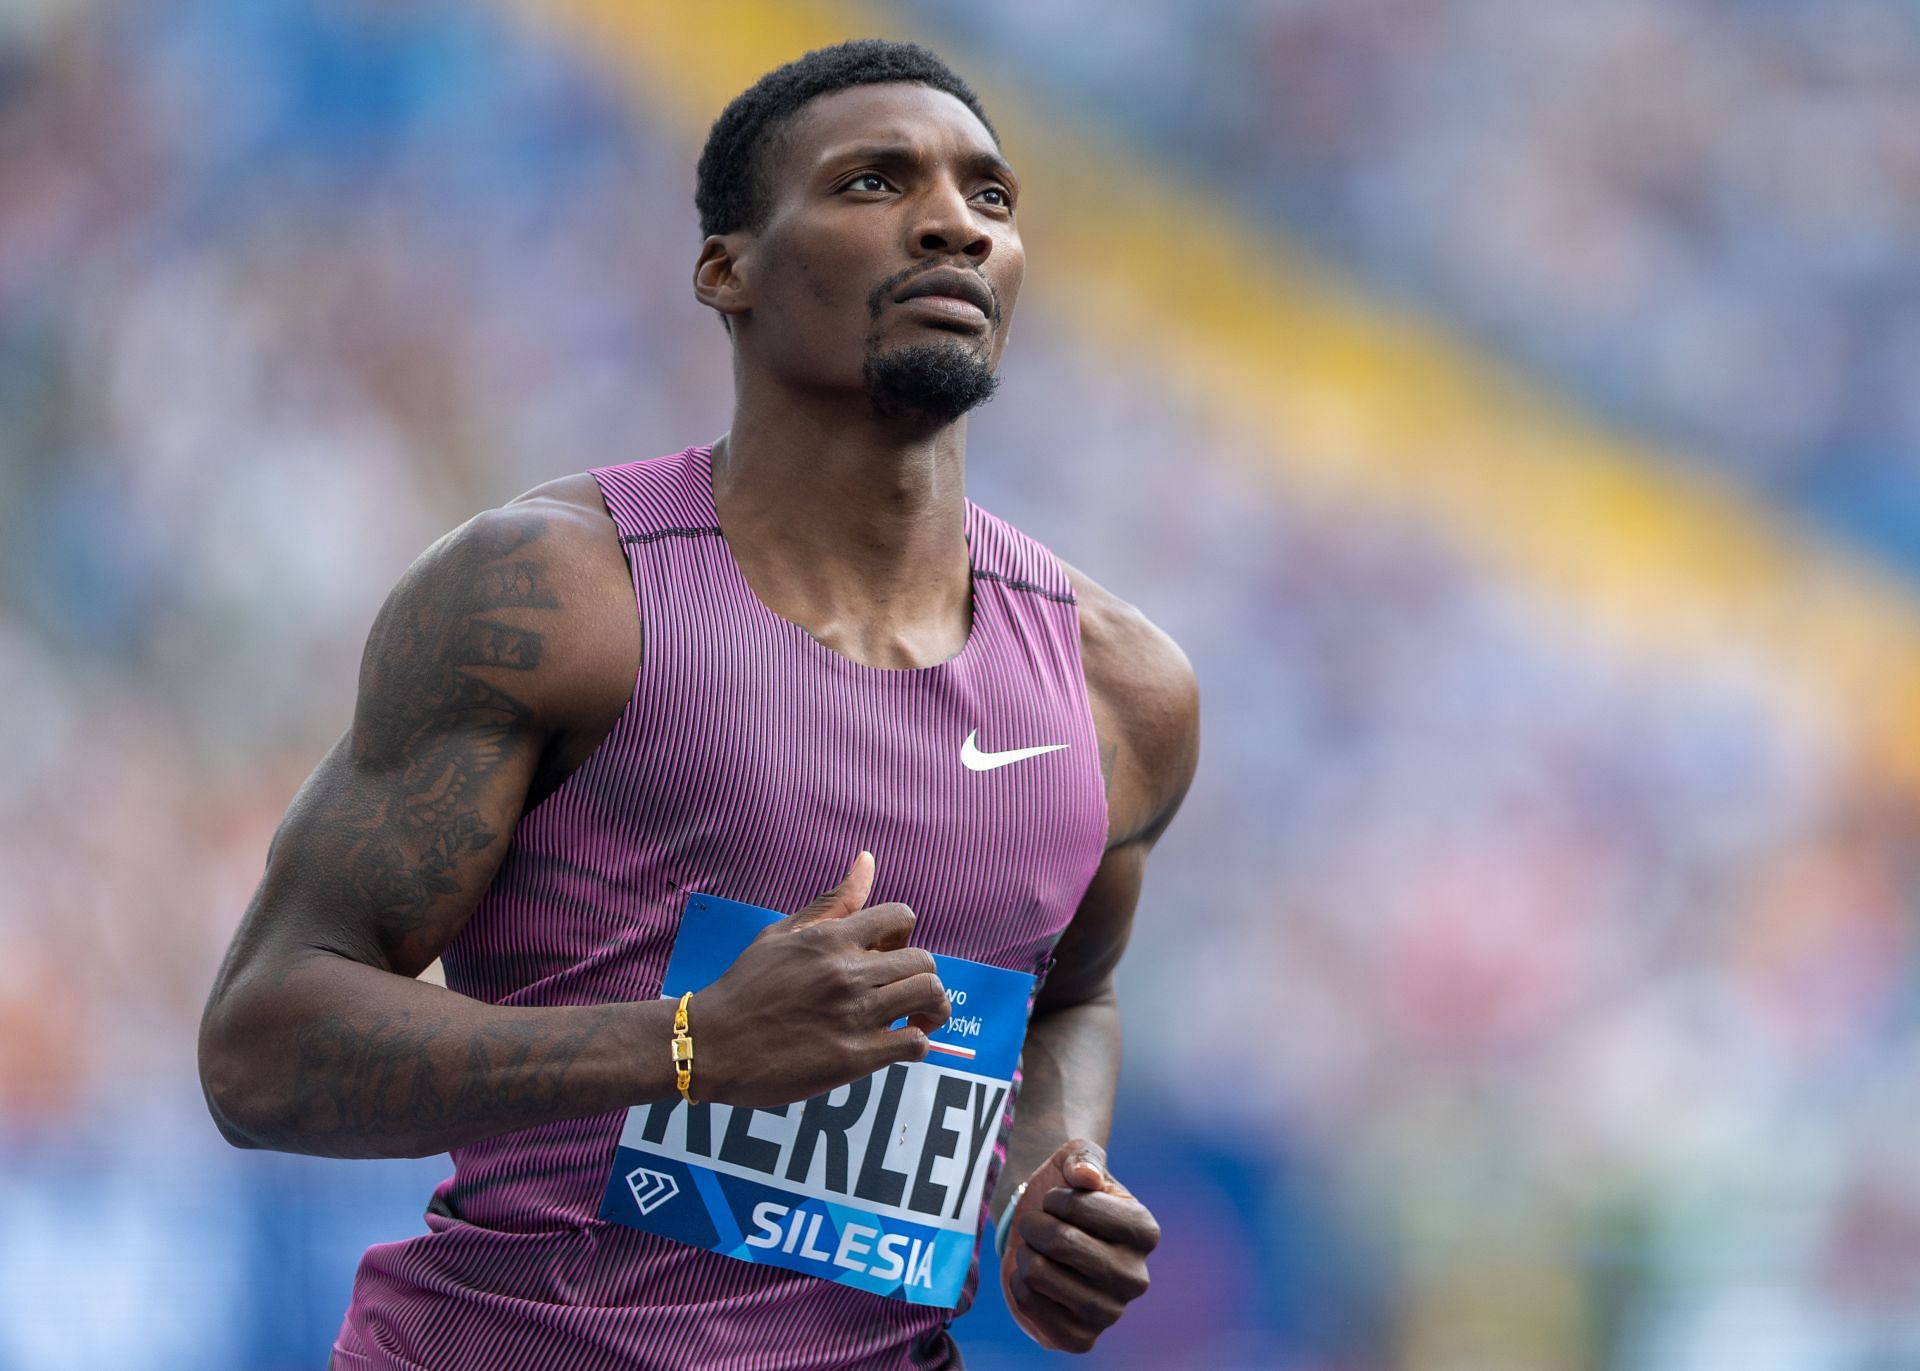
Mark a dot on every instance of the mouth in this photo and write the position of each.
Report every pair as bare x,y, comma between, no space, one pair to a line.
957,295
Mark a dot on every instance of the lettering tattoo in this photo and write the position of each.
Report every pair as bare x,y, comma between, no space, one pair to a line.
491,643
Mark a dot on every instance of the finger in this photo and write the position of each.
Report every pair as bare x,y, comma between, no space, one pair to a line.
844,899
884,968
930,1023
1120,1270
1085,1165
1091,1307
921,998
1114,1218
1062,1327
908,1044
882,928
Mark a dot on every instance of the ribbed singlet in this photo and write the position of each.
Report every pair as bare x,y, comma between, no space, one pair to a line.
752,762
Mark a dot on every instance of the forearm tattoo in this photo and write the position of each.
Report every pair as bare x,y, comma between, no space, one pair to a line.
369,1082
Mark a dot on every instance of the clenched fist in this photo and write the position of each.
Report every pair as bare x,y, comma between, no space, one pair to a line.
1077,1255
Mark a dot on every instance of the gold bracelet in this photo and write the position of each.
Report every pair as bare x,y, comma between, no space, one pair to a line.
683,1049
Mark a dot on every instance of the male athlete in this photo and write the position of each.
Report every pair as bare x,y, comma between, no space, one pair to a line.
842,675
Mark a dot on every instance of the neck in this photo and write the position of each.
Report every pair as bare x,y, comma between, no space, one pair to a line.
849,525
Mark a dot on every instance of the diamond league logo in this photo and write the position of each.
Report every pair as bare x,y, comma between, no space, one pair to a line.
651,1189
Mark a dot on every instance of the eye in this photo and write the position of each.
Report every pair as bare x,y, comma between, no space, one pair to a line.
1005,200
868,180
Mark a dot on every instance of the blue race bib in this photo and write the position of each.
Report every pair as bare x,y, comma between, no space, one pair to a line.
876,1184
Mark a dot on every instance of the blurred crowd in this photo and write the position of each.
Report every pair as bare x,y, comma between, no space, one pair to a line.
1698,215
1555,1007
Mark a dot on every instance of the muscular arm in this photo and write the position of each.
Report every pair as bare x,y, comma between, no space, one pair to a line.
498,646
1082,1238
1070,1067
499,662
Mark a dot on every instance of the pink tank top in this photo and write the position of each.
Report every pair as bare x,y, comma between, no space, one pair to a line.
753,763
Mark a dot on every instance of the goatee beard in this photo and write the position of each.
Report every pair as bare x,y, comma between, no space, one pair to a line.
933,382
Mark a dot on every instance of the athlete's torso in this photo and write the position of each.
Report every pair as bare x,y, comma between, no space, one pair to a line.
752,762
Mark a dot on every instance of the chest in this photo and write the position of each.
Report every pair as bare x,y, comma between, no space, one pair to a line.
979,794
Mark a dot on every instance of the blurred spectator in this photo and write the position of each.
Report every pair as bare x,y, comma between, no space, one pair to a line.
1551,1000
1698,215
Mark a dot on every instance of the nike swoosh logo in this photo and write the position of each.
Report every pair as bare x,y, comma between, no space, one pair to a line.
973,759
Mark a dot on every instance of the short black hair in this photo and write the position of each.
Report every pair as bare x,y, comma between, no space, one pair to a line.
731,193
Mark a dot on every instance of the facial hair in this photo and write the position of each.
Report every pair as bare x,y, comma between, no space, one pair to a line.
933,382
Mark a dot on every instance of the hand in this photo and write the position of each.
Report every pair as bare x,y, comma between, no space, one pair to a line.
1078,1253
807,1006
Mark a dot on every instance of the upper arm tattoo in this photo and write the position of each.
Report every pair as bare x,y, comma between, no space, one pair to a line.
441,714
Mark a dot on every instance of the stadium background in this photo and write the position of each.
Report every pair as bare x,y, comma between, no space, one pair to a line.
1513,408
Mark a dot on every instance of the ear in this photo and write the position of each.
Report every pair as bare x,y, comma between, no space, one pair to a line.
718,281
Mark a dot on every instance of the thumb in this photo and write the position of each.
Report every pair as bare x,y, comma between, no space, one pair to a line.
846,898
1083,1164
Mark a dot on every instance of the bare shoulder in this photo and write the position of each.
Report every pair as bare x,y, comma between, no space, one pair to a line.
600,631
1146,707
534,593
571,515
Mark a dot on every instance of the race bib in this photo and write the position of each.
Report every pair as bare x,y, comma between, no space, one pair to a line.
876,1184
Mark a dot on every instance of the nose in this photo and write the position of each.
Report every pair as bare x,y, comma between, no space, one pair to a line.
948,227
